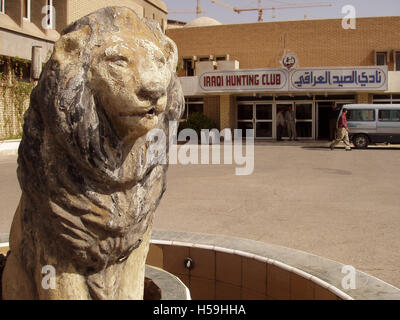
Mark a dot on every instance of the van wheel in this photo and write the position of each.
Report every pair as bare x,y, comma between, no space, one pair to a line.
361,141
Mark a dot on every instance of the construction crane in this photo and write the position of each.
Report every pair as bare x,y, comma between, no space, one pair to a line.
261,9
198,11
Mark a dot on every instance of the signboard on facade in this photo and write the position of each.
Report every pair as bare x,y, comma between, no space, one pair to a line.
339,79
374,78
244,80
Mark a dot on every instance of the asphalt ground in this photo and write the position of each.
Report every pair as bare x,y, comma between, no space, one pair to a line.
344,206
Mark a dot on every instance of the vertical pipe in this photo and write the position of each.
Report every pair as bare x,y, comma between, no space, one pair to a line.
36,67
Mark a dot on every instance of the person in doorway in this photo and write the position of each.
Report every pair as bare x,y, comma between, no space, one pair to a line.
290,118
333,119
280,125
342,133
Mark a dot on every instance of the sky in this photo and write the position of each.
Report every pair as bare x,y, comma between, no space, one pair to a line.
364,8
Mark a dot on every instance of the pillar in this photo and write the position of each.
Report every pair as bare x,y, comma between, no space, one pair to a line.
227,114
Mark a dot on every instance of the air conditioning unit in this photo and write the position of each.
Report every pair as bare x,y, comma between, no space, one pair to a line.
205,66
228,65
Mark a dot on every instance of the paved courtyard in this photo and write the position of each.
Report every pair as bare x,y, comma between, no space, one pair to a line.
336,204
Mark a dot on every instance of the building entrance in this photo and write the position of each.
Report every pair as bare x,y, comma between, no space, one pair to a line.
257,116
313,114
304,117
324,130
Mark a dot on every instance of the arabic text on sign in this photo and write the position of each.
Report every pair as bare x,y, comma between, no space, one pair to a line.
356,77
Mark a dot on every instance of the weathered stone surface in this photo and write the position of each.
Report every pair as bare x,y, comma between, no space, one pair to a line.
89,193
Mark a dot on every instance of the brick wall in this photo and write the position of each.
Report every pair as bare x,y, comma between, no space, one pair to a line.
211,108
14,10
62,13
80,8
227,112
315,42
364,98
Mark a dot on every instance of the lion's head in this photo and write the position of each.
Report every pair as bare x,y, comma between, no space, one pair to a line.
130,68
110,80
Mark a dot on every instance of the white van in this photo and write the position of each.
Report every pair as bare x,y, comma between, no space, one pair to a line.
373,123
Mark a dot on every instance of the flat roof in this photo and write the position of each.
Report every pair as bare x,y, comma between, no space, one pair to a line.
299,21
159,4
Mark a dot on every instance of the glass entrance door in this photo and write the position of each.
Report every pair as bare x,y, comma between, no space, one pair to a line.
304,119
284,107
245,117
257,116
263,120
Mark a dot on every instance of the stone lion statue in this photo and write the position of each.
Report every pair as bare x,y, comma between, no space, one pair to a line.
88,191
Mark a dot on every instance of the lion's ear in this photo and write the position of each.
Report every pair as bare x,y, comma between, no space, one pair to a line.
170,49
68,49
172,53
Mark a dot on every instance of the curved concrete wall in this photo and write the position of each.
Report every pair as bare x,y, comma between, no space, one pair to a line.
232,268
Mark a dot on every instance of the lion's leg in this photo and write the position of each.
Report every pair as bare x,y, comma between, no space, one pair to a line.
67,283
132,276
20,284
16,282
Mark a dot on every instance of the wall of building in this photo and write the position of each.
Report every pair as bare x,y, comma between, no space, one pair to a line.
18,36
211,108
315,42
20,45
80,8
62,12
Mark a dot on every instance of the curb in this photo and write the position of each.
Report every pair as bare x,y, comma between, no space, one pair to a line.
9,147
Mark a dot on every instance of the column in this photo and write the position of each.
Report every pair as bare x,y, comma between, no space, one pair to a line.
227,112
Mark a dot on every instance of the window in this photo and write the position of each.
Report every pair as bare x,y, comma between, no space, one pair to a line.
361,115
204,59
224,57
386,99
304,119
381,58
397,61
2,6
188,66
389,115
193,105
163,25
26,10
50,14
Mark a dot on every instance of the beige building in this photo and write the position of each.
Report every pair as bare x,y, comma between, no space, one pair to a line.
28,31
28,23
241,75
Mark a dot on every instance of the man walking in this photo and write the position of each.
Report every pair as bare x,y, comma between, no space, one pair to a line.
333,118
342,132
290,118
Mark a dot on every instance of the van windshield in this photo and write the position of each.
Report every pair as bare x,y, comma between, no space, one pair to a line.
361,115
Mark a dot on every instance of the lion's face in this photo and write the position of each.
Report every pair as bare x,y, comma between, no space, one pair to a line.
128,66
131,78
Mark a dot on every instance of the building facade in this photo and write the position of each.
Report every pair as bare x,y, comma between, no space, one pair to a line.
28,31
25,24
242,75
